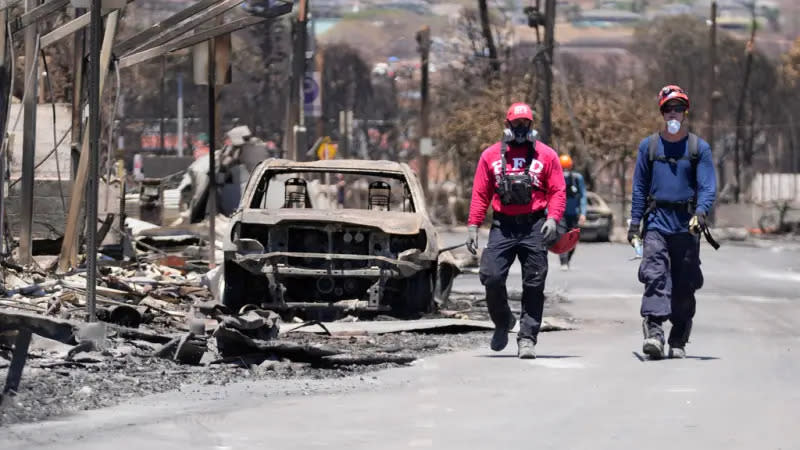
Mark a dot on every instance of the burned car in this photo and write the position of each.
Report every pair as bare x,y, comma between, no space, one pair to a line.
340,234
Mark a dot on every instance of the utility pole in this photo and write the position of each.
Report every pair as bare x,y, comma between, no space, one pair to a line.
320,56
162,94
79,46
424,46
5,99
31,79
180,114
487,35
212,146
748,64
712,85
549,42
294,138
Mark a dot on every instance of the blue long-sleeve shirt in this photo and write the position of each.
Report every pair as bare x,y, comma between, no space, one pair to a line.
672,183
576,201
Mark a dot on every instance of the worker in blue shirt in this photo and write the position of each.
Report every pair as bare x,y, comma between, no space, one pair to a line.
575,214
674,188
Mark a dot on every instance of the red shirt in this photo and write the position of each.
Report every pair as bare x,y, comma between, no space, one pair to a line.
548,180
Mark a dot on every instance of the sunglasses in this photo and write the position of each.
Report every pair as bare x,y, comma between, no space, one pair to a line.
675,108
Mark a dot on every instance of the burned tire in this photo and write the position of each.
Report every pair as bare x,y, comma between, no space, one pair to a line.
240,287
412,297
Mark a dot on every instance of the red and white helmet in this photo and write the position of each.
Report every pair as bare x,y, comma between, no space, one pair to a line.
566,242
519,111
672,92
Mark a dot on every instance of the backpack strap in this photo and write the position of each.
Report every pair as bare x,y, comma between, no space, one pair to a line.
652,149
693,153
530,156
528,159
503,149
694,150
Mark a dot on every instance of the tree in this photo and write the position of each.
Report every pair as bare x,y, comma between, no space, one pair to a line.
675,51
791,65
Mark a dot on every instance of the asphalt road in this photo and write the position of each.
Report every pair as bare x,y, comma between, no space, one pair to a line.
589,389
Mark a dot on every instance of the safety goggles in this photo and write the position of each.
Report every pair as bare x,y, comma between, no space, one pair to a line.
674,108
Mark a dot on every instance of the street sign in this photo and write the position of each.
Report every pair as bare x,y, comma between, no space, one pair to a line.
312,95
425,146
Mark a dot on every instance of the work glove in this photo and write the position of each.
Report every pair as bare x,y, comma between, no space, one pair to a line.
633,232
549,229
697,223
472,239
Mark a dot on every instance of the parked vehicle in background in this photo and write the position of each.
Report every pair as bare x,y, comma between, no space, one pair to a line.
599,219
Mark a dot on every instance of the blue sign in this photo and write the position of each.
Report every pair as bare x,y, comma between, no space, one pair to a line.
310,89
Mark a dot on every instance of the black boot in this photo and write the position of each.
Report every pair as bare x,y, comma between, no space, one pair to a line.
500,336
653,338
678,337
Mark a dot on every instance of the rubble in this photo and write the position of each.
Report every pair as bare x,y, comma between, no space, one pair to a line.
161,325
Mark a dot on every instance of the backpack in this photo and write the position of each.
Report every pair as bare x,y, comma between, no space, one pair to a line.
516,188
572,186
694,158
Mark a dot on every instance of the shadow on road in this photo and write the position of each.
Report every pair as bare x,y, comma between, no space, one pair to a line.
643,358
511,355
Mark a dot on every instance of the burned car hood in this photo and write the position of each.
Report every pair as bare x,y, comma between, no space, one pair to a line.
387,221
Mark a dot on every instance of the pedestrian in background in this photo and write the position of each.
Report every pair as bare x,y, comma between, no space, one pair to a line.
575,213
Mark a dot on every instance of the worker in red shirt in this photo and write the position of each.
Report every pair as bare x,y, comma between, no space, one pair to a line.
522,179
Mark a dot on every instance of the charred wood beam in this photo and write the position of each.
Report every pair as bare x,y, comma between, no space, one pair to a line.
69,28
148,34
56,329
189,25
189,41
5,4
17,361
132,333
37,13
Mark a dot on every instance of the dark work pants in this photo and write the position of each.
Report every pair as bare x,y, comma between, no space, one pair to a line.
508,241
570,222
670,271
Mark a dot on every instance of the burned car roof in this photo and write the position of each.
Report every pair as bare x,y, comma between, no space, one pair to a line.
342,165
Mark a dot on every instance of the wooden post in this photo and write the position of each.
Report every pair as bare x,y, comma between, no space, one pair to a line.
77,90
212,145
713,95
31,78
424,41
5,99
486,28
549,42
69,247
18,359
748,65
95,91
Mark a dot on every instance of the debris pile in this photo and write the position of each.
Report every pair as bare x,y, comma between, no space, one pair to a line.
173,315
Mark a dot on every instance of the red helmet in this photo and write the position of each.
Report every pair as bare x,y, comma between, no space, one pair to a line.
519,111
567,242
672,92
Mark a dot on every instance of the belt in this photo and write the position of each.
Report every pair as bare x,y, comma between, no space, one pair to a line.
519,218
